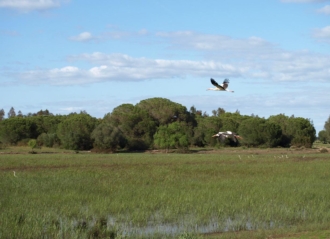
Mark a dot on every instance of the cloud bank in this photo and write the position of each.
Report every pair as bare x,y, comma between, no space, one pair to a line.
224,56
322,35
30,5
325,10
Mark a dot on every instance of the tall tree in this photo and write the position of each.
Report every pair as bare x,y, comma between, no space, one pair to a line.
135,123
206,127
231,121
11,112
283,121
15,129
251,131
2,114
327,128
43,112
193,110
75,131
165,111
302,132
258,131
323,136
108,137
218,112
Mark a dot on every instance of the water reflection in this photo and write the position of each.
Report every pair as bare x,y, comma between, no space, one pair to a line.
128,229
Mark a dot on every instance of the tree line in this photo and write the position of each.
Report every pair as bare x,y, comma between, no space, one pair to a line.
155,123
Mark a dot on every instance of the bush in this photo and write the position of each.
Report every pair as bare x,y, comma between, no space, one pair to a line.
32,144
323,150
47,140
172,136
23,142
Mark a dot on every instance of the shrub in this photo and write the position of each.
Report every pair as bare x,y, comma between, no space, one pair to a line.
32,144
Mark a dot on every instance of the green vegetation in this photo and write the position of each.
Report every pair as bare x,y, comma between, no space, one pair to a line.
324,135
172,135
155,123
75,131
145,195
32,144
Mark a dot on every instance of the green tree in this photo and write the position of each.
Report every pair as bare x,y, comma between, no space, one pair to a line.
11,112
193,110
323,136
206,127
164,111
136,125
47,139
19,114
44,112
15,129
231,121
2,114
272,134
171,136
46,123
283,121
302,132
260,132
218,112
327,128
108,137
251,131
75,131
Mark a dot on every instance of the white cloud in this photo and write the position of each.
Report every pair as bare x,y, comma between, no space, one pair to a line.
108,35
83,37
119,67
322,34
252,58
258,58
325,10
70,109
220,43
30,5
300,67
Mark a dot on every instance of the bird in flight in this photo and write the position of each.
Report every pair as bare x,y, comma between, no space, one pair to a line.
221,87
228,134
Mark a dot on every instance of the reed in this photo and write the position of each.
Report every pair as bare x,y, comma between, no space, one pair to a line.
141,195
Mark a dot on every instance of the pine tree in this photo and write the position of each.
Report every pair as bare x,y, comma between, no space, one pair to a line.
11,112
2,114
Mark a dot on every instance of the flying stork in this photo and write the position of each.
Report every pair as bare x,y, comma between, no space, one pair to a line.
227,134
221,87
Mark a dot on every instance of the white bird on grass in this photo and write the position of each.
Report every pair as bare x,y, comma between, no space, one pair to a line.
228,134
221,87
14,174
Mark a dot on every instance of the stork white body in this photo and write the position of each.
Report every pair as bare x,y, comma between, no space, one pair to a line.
220,87
227,134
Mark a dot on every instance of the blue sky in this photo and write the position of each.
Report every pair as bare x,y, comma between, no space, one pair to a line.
67,55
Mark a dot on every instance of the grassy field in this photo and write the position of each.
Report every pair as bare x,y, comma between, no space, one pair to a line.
223,193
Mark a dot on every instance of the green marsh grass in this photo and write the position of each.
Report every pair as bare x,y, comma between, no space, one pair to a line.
143,195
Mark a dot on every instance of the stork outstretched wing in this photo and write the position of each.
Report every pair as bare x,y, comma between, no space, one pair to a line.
220,87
